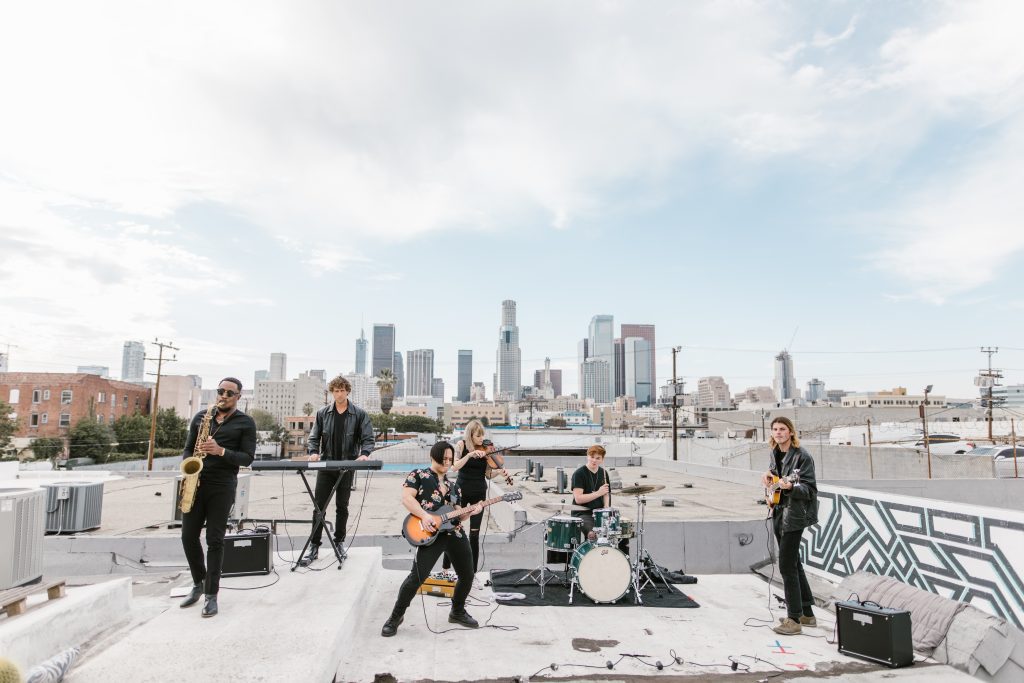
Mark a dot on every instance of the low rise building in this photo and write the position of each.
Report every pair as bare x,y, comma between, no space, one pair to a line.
897,398
456,415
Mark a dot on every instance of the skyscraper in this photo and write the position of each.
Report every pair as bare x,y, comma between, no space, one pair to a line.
619,352
278,367
600,345
361,347
596,381
638,367
396,363
133,362
421,372
383,348
582,353
643,331
815,390
509,360
465,374
785,381
260,376
437,388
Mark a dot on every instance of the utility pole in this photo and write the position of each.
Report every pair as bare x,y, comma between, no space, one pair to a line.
871,462
989,378
675,406
924,423
160,360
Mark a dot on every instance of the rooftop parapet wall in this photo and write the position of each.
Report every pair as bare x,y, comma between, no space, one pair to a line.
969,553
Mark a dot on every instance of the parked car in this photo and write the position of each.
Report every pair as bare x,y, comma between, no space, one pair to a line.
998,452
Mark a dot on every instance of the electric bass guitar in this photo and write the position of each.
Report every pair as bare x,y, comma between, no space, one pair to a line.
773,492
415,531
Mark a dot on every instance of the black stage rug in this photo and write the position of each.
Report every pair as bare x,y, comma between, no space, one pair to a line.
556,592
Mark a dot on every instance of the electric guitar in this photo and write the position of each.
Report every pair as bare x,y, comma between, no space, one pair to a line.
415,531
773,492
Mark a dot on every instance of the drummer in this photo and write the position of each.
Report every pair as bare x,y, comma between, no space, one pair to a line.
592,490
590,487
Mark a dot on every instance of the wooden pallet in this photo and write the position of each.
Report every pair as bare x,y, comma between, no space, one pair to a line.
15,600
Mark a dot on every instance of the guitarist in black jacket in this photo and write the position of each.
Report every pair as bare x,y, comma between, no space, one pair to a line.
796,510
423,492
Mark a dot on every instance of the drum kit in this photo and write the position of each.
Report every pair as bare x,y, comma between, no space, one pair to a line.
595,562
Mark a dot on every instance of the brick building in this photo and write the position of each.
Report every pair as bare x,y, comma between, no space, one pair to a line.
299,427
49,403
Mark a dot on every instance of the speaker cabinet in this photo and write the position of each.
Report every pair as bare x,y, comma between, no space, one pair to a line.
875,633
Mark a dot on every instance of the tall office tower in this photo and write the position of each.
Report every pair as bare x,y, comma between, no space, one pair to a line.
596,381
785,382
421,372
362,344
465,374
509,359
619,352
278,367
815,390
556,380
581,358
396,362
383,349
133,362
600,346
3,362
644,332
260,376
437,388
637,361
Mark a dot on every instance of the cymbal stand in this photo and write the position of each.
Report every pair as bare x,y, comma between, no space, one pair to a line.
540,573
641,577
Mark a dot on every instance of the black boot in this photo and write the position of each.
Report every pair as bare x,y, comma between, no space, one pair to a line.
193,596
210,607
390,627
310,556
462,617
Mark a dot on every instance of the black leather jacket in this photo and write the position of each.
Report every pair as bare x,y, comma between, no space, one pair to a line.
357,439
798,506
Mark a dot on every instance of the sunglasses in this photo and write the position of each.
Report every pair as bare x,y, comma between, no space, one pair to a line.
230,393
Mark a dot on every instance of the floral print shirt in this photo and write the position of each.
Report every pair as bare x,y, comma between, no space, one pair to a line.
428,492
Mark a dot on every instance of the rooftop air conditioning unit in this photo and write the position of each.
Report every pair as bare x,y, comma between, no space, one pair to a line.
73,506
22,514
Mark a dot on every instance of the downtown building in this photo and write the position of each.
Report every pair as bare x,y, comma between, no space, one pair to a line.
362,348
713,393
133,362
785,381
465,376
383,348
284,398
420,377
509,373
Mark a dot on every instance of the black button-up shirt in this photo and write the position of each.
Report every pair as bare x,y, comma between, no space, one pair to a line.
237,435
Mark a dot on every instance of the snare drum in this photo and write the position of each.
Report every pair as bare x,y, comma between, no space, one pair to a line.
602,571
627,529
606,521
563,533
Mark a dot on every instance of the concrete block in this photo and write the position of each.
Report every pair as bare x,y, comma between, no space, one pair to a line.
66,622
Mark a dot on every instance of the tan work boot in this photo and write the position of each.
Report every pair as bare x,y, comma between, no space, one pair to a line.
788,627
804,621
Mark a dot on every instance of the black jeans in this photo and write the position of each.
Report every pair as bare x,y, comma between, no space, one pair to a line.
799,599
324,482
470,497
458,549
212,505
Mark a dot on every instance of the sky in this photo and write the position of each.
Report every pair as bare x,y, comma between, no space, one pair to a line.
840,179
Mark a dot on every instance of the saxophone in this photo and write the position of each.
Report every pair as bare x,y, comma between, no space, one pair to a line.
193,465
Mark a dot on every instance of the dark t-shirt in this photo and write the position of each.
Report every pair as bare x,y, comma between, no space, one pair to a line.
590,482
338,435
472,475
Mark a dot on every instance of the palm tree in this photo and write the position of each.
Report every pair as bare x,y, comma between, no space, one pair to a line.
308,409
386,381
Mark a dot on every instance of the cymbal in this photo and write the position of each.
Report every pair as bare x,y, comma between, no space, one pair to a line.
640,489
570,507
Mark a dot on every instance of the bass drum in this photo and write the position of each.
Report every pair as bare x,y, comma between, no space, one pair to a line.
602,571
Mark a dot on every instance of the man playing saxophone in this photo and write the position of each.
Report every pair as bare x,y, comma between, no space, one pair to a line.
231,444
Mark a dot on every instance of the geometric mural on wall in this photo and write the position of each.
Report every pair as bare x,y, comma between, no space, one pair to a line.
968,553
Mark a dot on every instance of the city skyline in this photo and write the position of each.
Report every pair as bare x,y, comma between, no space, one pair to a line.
841,184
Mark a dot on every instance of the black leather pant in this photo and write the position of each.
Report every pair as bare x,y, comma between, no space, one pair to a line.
212,505
324,482
799,599
457,548
470,497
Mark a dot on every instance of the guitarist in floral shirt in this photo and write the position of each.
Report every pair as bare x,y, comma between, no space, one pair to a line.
423,492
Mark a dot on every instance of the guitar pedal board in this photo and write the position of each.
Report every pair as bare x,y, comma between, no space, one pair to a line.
440,588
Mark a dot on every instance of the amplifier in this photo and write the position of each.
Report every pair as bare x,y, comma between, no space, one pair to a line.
248,553
877,634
